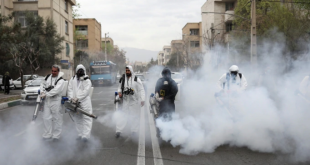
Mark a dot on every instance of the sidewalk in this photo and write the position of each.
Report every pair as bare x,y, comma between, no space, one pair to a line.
10,100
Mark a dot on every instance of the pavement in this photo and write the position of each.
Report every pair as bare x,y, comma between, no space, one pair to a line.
12,93
21,142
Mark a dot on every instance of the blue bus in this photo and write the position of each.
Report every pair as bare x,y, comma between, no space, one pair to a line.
103,72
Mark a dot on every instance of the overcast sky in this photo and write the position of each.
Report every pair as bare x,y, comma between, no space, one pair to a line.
143,24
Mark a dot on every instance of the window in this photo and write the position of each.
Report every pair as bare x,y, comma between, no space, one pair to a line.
82,44
21,17
67,50
194,31
67,27
195,44
82,30
230,6
66,5
229,27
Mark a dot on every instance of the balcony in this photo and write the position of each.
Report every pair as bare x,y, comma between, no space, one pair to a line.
229,15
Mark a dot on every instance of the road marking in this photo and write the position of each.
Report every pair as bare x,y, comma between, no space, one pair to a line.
156,150
141,147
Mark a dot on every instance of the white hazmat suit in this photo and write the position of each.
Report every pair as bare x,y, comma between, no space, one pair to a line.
80,89
52,117
228,82
131,103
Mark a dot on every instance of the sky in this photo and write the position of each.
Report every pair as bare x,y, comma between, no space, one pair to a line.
142,24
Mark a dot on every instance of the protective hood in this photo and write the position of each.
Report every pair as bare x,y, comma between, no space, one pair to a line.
234,68
60,74
166,73
131,70
80,66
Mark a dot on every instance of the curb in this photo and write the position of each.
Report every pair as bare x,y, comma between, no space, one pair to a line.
10,104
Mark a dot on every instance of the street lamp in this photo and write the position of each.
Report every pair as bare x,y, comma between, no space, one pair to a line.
105,47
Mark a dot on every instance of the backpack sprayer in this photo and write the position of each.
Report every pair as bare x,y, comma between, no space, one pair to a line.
118,101
75,107
154,106
39,106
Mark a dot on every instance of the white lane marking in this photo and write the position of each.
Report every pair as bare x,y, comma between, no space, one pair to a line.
141,147
156,150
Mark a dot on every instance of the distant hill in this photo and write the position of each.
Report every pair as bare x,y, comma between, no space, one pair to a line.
135,54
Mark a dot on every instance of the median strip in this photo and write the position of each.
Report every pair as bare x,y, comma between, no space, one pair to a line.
9,102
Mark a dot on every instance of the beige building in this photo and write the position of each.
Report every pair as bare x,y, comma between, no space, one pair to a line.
192,37
88,35
109,41
167,54
160,58
58,10
216,27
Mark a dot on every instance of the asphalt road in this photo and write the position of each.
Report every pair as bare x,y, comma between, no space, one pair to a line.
21,143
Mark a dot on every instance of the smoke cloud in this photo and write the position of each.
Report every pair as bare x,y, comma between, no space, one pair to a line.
267,117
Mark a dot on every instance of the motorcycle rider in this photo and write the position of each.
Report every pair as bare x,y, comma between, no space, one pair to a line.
166,90
131,90
52,89
78,91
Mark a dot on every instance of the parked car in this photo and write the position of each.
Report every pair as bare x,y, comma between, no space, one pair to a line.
30,93
31,79
18,83
12,86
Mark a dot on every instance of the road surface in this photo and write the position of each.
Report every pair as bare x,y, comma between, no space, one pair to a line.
21,142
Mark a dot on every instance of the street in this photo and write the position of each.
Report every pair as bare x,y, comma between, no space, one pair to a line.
21,142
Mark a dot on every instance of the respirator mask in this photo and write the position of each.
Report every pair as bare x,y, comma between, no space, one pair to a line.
80,74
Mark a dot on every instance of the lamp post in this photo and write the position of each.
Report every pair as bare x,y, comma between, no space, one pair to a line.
105,46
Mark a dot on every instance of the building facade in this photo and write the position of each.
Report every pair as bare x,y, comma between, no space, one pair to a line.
216,27
87,35
160,58
167,54
60,11
192,36
109,41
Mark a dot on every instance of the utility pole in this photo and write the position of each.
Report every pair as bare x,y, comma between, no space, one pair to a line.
105,46
253,34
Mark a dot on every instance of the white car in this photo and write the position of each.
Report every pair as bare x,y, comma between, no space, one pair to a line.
30,93
31,79
18,83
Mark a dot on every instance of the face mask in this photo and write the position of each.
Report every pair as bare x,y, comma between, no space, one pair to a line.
234,74
80,74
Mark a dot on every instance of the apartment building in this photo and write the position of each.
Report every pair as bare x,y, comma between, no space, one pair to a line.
192,37
58,10
216,27
160,58
167,54
88,35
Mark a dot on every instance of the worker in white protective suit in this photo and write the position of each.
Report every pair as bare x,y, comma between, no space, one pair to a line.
132,92
79,91
233,80
51,90
230,85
